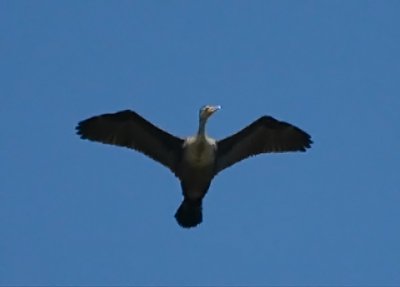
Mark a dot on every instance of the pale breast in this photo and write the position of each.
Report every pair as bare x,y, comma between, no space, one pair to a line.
199,152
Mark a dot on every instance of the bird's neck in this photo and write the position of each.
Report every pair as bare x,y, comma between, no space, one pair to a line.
202,128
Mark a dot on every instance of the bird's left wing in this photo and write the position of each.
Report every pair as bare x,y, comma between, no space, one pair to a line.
128,129
262,136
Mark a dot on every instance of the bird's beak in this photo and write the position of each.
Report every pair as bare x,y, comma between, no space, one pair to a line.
213,109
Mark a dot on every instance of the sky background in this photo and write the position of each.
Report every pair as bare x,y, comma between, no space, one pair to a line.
74,212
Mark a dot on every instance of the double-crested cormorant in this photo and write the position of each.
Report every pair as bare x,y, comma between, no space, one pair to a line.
197,159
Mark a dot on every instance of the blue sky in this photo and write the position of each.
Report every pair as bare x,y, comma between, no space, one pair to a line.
74,212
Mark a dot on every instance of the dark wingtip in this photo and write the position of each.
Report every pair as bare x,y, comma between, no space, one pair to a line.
276,124
79,129
85,128
308,142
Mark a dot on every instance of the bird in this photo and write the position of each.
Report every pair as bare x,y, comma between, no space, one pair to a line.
194,160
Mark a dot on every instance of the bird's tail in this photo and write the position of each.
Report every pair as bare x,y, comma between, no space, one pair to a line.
189,213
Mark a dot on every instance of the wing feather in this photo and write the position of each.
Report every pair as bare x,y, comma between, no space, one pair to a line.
265,135
129,129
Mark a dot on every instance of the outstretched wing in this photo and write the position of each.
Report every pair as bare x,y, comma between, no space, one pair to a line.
262,136
128,129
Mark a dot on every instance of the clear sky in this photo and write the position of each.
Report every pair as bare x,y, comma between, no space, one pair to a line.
74,212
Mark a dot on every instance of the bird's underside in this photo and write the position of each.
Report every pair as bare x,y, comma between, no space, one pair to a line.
195,182
195,160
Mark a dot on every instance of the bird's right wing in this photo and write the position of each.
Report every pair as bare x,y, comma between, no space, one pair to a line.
262,136
128,129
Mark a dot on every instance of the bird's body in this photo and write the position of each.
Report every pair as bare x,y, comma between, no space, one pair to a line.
199,151
196,167
195,160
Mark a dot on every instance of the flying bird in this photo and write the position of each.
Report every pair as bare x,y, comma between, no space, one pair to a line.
197,159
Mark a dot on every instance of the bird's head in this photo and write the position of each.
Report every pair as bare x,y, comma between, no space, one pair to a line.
207,111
